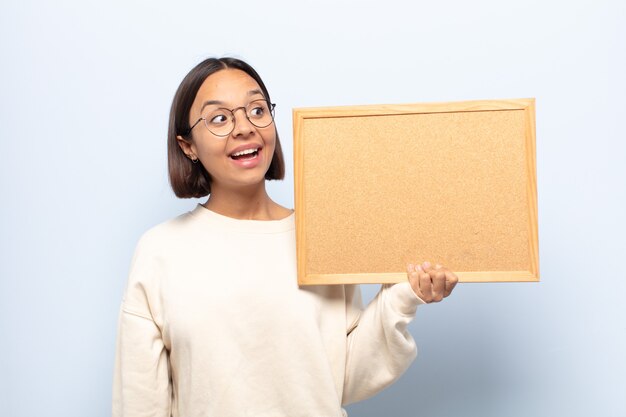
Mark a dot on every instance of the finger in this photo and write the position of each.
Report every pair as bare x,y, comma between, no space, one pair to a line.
432,272
439,285
413,276
426,286
451,281
426,266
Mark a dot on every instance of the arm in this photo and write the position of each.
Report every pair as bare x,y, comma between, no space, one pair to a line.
141,382
380,348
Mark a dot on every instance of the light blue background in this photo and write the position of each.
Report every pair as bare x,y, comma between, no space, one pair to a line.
85,93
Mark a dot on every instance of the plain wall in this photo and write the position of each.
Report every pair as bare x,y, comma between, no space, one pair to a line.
85,90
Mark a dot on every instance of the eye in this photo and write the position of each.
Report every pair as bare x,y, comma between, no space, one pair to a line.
220,118
257,111
217,118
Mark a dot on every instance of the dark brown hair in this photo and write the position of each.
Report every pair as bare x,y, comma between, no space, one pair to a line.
186,178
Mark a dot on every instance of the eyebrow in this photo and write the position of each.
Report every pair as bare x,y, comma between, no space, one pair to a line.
221,103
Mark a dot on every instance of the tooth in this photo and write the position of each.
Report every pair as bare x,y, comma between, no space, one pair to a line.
245,152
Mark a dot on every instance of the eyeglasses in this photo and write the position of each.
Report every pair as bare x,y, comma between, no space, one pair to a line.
221,122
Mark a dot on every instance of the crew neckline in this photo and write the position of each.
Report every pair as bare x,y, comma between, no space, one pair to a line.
250,226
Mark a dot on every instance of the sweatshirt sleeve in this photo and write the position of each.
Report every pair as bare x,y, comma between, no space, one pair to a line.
141,382
379,346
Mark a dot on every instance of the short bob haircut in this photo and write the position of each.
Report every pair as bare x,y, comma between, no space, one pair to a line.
186,178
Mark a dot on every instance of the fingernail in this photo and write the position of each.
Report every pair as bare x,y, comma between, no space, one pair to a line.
419,268
426,265
437,266
411,267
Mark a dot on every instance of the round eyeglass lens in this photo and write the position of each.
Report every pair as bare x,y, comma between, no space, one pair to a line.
221,121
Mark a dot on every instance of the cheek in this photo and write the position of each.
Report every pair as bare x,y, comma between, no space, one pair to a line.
210,155
210,148
270,144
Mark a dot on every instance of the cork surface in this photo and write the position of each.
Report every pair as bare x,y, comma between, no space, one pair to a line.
380,191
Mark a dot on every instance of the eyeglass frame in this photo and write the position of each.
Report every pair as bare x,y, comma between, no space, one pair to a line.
271,107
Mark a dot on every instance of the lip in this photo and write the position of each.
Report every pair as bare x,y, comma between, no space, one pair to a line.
245,148
247,163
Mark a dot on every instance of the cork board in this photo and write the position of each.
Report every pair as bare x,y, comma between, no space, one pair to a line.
377,187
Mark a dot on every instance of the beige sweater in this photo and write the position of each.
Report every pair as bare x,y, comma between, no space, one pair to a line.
213,323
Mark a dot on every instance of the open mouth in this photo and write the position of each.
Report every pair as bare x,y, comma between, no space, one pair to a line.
245,154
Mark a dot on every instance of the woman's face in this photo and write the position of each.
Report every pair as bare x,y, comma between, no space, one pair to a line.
222,156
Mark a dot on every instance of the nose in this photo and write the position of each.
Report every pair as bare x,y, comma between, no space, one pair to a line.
243,127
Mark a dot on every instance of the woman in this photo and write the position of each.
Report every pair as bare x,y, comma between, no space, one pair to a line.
213,322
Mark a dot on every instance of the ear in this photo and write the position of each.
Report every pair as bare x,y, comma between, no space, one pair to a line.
187,147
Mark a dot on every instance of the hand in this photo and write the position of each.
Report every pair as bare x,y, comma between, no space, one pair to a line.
431,284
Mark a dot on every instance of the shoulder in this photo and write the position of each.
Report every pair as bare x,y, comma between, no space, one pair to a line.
167,233
283,212
161,245
279,212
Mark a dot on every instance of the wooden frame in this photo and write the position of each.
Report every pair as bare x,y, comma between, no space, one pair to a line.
379,186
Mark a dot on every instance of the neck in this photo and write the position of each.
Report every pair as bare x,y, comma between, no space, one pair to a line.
250,203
